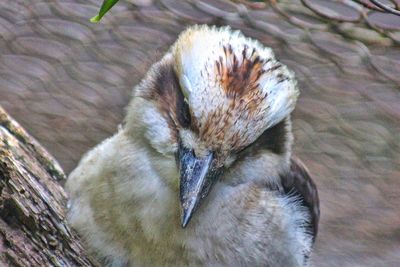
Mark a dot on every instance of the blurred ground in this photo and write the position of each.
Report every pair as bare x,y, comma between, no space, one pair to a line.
67,81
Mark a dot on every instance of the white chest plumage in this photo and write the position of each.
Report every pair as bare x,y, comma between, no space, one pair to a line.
133,218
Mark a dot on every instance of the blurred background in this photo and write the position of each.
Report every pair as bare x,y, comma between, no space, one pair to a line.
67,82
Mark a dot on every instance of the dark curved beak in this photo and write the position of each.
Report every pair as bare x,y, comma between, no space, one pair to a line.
197,176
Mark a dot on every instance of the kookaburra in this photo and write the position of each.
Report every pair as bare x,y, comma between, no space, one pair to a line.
201,172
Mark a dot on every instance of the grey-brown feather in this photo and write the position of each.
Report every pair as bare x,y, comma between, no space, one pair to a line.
297,181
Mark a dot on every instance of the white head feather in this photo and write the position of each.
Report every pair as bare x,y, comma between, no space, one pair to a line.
206,58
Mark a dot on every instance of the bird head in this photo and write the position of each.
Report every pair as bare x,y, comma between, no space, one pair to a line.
210,97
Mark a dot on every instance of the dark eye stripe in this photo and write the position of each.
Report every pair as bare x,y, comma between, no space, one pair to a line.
185,115
183,111
273,139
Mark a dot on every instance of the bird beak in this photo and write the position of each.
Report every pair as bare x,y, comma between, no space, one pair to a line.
197,175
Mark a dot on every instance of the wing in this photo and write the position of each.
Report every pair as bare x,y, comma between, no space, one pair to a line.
297,181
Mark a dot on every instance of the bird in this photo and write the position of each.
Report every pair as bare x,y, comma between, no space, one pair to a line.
201,172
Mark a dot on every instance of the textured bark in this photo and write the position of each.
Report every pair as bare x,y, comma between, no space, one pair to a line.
33,230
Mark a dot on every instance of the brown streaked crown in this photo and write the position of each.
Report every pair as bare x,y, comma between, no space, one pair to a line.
226,88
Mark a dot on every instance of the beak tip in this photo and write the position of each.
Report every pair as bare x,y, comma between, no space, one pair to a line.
185,220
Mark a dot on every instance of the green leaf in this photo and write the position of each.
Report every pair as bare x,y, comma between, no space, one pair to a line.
105,7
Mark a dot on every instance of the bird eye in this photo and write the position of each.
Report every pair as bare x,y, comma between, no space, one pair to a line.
273,139
184,114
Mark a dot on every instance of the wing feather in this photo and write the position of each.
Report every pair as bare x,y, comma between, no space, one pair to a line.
299,182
